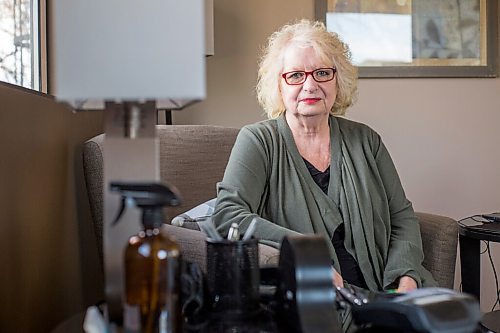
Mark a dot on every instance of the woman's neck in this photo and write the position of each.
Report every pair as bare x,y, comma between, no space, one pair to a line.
312,138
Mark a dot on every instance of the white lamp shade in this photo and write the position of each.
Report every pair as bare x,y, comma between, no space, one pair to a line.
124,50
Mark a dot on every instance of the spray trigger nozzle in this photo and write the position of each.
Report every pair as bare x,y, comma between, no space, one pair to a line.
150,197
124,203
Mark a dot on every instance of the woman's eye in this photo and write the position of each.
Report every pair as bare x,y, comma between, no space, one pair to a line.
322,73
296,75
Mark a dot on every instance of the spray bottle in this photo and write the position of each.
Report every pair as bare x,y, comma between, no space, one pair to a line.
152,262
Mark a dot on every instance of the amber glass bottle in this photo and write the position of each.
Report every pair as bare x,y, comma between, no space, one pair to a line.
152,283
152,264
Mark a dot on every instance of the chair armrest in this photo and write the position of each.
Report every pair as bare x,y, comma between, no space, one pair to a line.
268,256
194,248
439,241
191,242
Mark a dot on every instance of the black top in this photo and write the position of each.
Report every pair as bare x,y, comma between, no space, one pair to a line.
348,265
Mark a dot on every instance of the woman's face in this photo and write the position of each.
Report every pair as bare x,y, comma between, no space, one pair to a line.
309,98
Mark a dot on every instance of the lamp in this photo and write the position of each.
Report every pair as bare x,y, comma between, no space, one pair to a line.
130,58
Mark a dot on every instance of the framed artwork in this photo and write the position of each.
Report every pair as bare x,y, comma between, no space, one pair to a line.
416,38
23,55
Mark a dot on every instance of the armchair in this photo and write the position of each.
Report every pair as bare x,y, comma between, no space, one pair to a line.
193,158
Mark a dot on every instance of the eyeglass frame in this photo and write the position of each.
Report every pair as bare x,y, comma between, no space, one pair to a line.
309,73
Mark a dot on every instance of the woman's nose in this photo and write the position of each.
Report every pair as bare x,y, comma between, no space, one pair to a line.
310,84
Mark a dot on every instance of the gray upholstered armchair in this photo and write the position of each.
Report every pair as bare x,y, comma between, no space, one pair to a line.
193,158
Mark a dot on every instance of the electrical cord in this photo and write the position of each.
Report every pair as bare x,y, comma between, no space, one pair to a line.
486,250
495,275
473,217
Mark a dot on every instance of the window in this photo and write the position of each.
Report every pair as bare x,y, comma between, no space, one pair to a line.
22,43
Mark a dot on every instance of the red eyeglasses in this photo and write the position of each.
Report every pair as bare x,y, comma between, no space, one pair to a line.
319,75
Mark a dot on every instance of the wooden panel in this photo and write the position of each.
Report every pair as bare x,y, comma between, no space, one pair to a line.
41,214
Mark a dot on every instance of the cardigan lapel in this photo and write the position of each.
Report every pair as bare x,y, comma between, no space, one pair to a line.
332,200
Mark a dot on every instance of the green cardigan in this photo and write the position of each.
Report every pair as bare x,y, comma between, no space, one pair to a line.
267,178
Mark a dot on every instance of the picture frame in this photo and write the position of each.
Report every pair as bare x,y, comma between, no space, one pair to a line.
432,62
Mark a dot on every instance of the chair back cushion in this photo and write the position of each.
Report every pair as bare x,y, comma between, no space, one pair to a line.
192,158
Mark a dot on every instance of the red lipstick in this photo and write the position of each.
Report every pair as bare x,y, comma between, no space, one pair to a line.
310,100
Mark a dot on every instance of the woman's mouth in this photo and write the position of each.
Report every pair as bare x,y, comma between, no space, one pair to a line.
310,100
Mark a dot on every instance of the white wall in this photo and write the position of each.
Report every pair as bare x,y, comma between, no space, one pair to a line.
444,137
443,134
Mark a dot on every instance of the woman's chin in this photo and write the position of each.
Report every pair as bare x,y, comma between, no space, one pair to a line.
311,111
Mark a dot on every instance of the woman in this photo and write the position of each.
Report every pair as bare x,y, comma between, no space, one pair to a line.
307,170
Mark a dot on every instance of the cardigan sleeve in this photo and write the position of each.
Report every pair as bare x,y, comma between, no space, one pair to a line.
243,190
405,253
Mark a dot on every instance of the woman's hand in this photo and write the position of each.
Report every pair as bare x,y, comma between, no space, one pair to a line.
338,281
406,284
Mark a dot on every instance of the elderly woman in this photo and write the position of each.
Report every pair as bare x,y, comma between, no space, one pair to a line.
309,170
